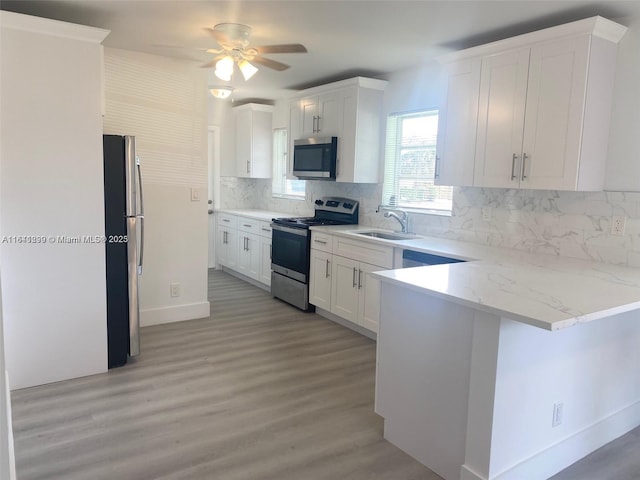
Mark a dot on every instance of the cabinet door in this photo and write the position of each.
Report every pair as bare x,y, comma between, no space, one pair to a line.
328,114
457,125
503,92
265,260
243,142
344,288
228,247
553,117
308,108
369,297
320,279
249,250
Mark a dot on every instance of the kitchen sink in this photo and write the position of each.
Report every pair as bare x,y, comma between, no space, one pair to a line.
387,235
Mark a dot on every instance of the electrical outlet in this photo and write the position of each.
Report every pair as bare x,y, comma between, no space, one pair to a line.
175,289
557,414
618,224
195,194
486,213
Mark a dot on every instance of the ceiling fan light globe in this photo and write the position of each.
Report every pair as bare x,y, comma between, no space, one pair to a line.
224,68
247,69
221,92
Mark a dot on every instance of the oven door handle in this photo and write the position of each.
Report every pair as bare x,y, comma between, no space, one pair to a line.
303,232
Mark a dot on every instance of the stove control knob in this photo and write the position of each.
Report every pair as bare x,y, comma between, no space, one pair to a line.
348,206
319,202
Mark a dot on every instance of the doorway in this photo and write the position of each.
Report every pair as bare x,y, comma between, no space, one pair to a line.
213,195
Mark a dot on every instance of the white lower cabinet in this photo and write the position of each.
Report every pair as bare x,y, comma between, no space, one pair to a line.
249,251
355,293
345,286
244,245
265,267
320,277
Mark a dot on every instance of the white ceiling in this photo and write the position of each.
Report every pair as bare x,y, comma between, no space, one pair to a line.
343,38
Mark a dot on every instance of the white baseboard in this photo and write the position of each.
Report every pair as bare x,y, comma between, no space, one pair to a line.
566,452
468,474
174,313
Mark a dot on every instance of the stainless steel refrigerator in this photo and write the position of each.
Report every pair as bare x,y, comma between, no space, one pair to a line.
124,232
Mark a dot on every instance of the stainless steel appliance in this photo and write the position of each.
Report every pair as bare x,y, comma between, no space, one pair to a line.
291,245
315,158
124,242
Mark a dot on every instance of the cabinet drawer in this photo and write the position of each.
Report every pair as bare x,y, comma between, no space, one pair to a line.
249,225
227,220
321,241
379,255
264,229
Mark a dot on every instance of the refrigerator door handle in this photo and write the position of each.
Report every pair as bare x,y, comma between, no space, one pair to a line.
141,255
141,216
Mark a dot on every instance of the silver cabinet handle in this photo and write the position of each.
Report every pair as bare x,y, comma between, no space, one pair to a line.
326,269
318,127
322,242
359,279
513,166
247,225
266,230
226,220
524,162
354,277
248,166
270,252
436,169
246,244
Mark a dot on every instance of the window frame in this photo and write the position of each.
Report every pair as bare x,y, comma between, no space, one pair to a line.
392,164
281,186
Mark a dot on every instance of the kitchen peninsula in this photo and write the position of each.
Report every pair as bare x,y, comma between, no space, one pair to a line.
512,366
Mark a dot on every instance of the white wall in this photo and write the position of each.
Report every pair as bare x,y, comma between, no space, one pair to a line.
162,102
592,369
51,184
573,224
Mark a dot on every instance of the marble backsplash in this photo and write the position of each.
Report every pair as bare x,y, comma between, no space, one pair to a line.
570,224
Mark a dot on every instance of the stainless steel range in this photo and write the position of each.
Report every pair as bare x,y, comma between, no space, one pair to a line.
291,245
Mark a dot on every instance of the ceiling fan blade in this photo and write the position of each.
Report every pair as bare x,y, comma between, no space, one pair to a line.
284,48
270,63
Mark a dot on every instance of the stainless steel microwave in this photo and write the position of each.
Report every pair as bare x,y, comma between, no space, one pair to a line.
315,158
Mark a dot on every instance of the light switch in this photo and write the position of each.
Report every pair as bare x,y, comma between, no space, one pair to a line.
195,194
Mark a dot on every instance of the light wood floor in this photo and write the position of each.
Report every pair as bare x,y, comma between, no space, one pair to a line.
259,391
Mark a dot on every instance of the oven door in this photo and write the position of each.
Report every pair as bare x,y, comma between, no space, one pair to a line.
290,251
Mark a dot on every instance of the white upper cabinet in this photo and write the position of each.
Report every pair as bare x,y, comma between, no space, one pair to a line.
457,121
320,115
254,139
503,93
352,111
544,104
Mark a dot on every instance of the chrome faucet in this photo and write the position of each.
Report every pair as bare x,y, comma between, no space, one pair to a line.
402,216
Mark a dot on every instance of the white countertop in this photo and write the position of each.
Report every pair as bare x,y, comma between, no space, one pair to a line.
263,215
545,291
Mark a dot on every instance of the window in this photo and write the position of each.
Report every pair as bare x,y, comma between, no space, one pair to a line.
410,161
282,186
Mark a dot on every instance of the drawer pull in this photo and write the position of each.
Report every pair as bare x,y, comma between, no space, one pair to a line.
247,225
226,220
322,242
266,230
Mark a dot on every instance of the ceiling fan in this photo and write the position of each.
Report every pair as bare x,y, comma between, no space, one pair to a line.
233,39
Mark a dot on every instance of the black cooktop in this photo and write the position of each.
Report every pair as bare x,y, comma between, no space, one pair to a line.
306,222
328,211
